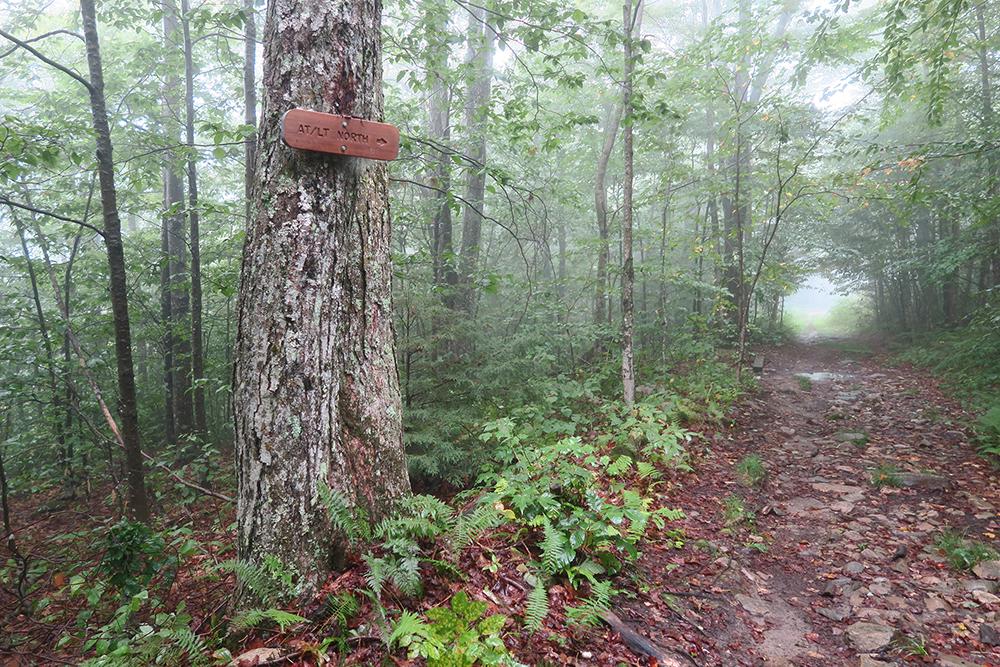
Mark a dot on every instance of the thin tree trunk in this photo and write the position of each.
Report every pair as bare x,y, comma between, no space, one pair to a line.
128,409
480,58
200,428
601,209
178,328
628,270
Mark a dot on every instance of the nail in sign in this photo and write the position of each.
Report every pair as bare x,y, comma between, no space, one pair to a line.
341,135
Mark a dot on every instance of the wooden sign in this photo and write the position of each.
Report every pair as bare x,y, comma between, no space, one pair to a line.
341,135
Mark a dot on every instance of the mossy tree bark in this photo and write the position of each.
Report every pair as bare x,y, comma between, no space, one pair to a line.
316,395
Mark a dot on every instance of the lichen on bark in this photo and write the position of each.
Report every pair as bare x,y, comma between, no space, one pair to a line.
316,395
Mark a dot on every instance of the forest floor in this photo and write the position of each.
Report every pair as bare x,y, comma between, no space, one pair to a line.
827,554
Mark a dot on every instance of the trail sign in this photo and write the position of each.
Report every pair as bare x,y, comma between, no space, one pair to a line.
341,135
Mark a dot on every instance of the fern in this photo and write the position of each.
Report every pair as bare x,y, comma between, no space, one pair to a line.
174,643
268,583
347,517
619,465
408,630
590,612
557,554
338,609
646,469
470,524
538,606
377,574
254,617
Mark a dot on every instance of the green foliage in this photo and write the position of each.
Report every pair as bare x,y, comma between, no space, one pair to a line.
963,554
735,512
988,432
269,583
805,384
752,471
911,646
166,639
886,474
393,546
644,427
133,554
253,618
968,358
599,601
537,607
457,637
583,531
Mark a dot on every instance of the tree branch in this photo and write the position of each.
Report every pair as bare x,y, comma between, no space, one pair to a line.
41,37
8,202
38,54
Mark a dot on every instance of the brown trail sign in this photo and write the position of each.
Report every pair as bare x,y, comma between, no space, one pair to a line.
341,135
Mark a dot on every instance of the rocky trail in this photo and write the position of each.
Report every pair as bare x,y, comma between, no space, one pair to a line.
834,559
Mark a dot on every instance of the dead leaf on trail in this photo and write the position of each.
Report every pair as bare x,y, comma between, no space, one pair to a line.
256,656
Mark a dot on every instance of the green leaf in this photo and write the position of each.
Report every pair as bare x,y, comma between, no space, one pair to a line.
469,609
492,625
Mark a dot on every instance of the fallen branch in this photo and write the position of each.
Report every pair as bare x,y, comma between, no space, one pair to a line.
190,485
639,644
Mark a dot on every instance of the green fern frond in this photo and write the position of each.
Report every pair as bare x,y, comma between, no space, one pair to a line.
406,576
556,552
189,644
347,517
482,518
338,610
173,645
253,618
538,607
589,613
259,579
619,465
409,628
377,574
646,469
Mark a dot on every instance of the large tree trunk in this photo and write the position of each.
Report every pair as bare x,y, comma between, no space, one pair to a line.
315,391
128,409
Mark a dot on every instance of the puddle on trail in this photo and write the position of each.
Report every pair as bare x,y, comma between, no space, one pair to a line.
822,377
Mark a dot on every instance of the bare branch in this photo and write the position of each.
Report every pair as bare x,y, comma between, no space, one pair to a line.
8,202
41,37
35,52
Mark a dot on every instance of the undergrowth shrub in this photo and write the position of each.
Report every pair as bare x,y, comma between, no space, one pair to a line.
553,490
646,429
457,637
968,358
961,552
141,629
988,433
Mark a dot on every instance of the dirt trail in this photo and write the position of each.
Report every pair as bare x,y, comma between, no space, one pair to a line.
822,567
